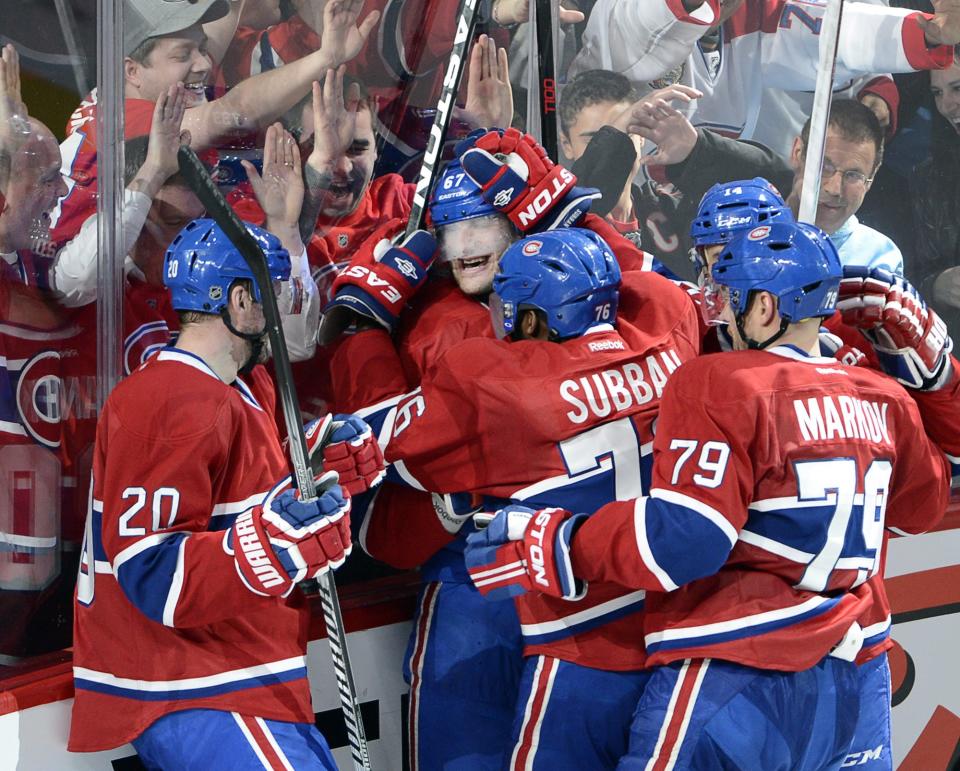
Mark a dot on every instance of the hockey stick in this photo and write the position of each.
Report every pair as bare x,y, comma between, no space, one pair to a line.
209,194
546,24
466,23
820,114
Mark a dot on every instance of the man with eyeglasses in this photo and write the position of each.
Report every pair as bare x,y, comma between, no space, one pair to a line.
695,159
852,154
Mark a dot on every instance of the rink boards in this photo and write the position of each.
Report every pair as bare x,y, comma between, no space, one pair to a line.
923,580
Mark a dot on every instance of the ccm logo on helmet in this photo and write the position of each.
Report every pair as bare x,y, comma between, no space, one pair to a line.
757,233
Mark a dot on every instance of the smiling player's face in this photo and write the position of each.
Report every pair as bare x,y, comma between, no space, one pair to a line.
473,248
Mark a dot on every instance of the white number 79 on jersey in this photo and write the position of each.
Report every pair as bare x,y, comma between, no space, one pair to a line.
827,486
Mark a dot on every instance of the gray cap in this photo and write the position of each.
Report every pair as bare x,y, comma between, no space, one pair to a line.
144,19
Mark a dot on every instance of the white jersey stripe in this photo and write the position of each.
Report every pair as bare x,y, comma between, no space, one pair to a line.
668,717
250,740
176,586
191,683
274,743
548,627
643,546
744,622
687,714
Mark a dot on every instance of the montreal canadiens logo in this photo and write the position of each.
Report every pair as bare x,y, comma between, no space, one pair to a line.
143,342
757,233
532,247
39,398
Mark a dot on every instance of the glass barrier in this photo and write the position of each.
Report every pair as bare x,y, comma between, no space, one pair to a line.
314,118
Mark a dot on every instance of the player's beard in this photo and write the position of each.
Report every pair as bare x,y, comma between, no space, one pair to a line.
259,352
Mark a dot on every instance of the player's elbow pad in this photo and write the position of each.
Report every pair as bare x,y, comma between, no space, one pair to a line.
679,544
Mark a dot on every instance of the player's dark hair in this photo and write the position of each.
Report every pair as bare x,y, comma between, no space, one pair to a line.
195,317
135,155
589,88
854,122
142,52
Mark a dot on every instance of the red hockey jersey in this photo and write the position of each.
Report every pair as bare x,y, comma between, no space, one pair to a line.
79,155
774,476
163,621
547,424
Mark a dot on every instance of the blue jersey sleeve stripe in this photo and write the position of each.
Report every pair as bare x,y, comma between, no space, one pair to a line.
708,512
148,574
681,541
643,546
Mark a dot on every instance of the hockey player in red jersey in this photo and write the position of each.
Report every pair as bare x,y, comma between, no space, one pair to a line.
756,545
453,622
190,633
562,411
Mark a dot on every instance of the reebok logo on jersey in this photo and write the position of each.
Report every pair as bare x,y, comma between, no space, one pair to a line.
823,418
606,345
254,553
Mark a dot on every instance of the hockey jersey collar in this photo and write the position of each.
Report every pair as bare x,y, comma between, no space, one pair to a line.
171,353
789,351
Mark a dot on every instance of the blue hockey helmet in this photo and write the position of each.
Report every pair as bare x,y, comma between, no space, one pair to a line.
729,209
569,274
456,197
202,263
794,261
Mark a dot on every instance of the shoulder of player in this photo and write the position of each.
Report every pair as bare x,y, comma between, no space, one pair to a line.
439,307
477,358
391,190
647,297
169,398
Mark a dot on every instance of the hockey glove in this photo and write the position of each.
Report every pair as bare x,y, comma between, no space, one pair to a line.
524,550
517,177
834,347
354,454
380,280
454,509
910,339
286,540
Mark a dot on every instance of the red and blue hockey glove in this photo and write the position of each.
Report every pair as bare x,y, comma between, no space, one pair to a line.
380,280
354,454
286,540
523,550
517,177
911,340
833,347
454,509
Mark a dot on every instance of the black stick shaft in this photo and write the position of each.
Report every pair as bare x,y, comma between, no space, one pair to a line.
209,194
547,69
466,23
